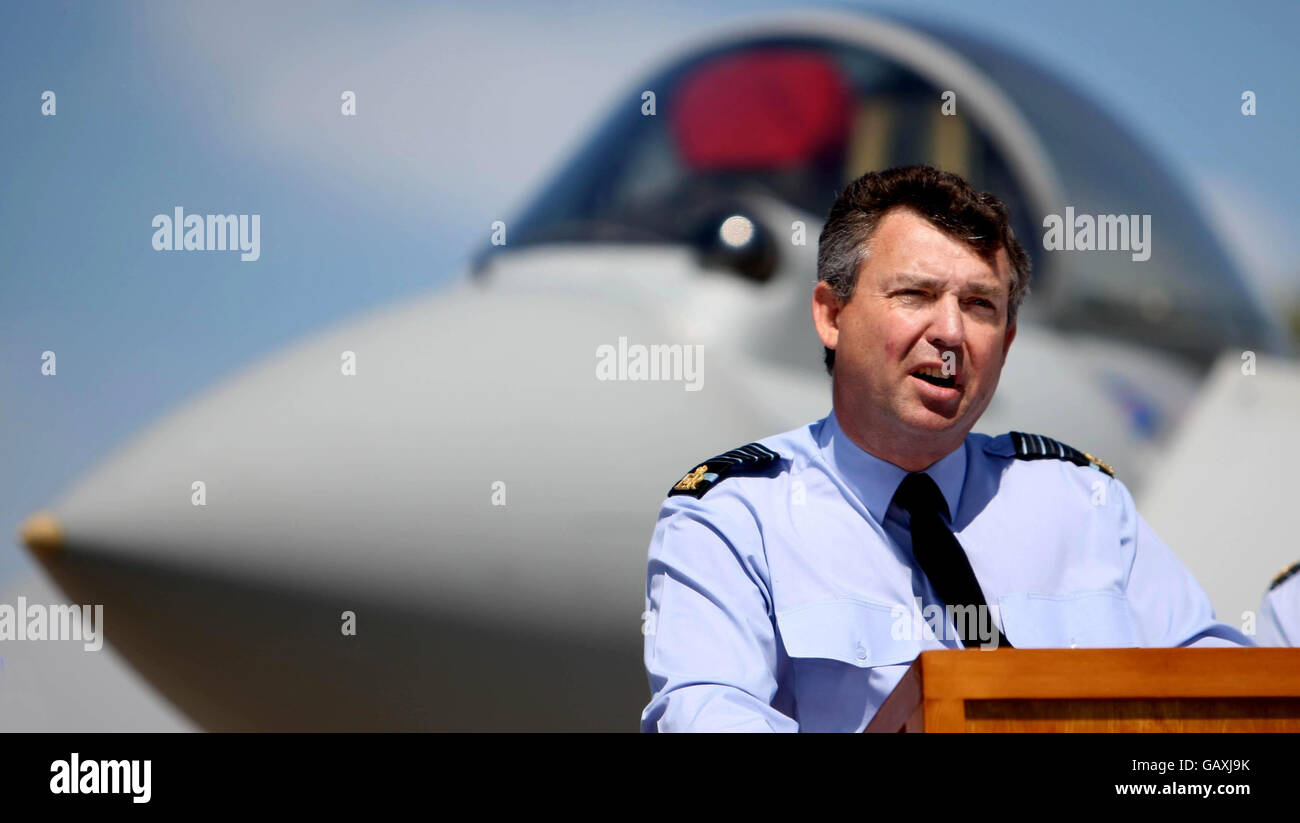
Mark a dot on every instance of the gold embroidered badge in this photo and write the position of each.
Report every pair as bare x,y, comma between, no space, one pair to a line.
691,480
1101,464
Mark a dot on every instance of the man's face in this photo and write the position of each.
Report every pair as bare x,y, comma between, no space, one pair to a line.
920,345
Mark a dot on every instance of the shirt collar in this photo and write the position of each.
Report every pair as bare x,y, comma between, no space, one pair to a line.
874,480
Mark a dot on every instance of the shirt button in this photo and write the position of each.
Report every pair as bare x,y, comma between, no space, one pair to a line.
862,652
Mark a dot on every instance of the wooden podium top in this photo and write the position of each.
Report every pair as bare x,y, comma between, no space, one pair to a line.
1218,689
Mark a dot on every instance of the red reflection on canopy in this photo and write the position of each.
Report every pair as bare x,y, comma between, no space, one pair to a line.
767,109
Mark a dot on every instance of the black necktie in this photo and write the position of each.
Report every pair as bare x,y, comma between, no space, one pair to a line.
941,557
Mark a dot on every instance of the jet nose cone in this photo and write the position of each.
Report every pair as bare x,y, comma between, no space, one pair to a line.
42,534
398,523
310,546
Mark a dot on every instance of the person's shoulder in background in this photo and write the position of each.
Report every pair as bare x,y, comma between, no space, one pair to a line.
1279,614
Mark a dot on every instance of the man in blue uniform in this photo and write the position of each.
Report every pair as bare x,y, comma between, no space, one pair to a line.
791,581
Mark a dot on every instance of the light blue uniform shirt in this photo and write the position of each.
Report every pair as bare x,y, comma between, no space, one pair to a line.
786,600
1279,615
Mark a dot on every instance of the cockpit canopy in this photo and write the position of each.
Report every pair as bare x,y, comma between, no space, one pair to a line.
796,116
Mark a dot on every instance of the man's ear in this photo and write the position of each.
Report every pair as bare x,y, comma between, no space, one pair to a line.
1006,340
826,314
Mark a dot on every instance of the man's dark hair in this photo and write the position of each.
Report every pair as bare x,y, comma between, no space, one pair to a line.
978,219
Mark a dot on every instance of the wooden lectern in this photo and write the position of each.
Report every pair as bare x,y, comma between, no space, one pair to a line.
1096,690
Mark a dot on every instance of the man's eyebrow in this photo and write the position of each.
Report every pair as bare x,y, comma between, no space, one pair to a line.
905,280
983,289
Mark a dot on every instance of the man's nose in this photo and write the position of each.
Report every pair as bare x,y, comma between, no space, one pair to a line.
947,327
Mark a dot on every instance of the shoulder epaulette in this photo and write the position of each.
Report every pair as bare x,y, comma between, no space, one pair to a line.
1038,447
744,460
1284,575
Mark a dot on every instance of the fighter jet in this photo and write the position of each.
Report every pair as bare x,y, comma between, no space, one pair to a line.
436,516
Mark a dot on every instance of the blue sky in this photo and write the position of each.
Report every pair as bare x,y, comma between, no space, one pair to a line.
232,107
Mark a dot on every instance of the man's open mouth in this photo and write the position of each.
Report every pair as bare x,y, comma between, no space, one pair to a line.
929,376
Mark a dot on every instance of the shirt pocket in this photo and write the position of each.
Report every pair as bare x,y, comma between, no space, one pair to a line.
856,632
1100,619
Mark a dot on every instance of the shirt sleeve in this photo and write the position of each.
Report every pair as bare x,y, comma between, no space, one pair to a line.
1172,608
710,645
